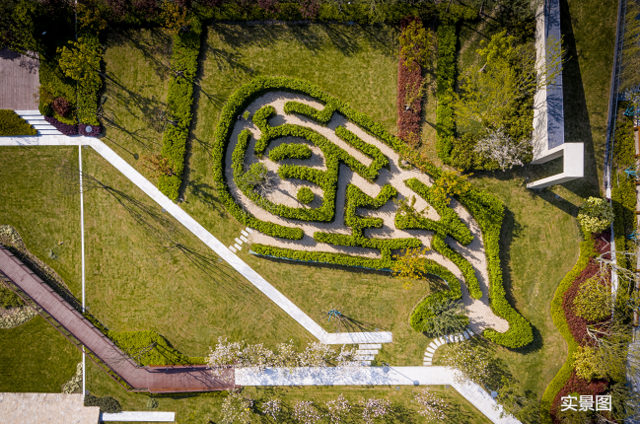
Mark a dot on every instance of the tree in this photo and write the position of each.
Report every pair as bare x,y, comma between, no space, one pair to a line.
174,17
445,317
92,15
491,92
431,407
450,183
269,6
236,409
594,302
272,408
81,62
596,215
525,408
338,409
305,412
409,267
417,45
471,359
18,28
256,177
500,147
374,408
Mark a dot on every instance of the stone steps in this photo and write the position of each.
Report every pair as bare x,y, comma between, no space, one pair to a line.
427,361
38,122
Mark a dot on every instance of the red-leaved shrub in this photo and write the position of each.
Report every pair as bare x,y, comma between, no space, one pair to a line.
409,81
62,106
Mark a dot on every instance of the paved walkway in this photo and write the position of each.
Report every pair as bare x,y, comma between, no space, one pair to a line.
19,81
207,238
46,408
156,380
378,376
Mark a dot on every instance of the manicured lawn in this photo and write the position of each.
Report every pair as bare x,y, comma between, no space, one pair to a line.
206,409
35,357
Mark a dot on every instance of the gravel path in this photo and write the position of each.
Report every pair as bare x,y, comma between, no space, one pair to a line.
284,192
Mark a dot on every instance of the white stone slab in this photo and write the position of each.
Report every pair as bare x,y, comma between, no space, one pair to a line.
238,241
237,246
365,357
244,233
249,230
365,363
429,349
370,346
233,249
144,416
366,352
244,239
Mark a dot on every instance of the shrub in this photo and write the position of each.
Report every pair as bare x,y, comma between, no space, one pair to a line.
65,129
246,114
107,404
442,316
409,82
8,298
45,109
596,215
12,124
62,107
184,57
445,123
290,151
593,301
152,403
305,195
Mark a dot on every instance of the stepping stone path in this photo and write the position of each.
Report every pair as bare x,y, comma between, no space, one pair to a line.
428,355
242,239
367,353
34,118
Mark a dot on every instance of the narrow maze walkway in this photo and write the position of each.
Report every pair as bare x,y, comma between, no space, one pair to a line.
153,379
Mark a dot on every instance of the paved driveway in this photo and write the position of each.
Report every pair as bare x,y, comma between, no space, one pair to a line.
19,81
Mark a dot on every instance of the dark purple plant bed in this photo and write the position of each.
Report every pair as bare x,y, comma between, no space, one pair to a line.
65,129
95,130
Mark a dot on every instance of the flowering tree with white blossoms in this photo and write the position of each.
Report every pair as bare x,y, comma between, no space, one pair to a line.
305,412
431,407
272,408
236,409
242,355
374,408
472,360
338,409
500,147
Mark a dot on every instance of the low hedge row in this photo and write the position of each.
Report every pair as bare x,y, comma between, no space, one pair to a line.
319,116
489,214
587,250
184,58
473,285
12,124
290,151
87,92
356,198
449,223
445,84
486,209
379,159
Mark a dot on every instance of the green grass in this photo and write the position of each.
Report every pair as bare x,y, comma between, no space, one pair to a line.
35,357
205,409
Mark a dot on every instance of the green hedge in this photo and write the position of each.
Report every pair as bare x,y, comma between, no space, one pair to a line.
184,57
319,116
107,404
489,213
12,124
587,250
445,84
290,151
486,209
54,84
88,94
356,198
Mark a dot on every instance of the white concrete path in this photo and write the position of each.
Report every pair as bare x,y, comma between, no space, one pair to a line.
378,376
143,417
199,231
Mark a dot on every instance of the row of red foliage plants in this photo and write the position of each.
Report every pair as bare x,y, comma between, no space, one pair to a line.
578,328
409,80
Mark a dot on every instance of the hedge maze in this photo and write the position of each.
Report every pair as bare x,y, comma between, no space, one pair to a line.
322,183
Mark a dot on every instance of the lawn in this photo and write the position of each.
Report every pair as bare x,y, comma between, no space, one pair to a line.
205,409
35,357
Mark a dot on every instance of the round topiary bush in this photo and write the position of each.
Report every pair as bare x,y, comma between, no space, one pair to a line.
305,195
152,403
107,404
596,215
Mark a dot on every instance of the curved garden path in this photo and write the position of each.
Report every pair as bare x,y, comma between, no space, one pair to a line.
155,380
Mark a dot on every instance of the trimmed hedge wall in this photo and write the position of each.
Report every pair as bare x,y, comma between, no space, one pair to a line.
445,83
12,124
290,151
489,213
184,57
486,209
587,250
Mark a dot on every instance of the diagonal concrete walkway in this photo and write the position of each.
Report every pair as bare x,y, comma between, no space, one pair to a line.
378,376
207,238
196,378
